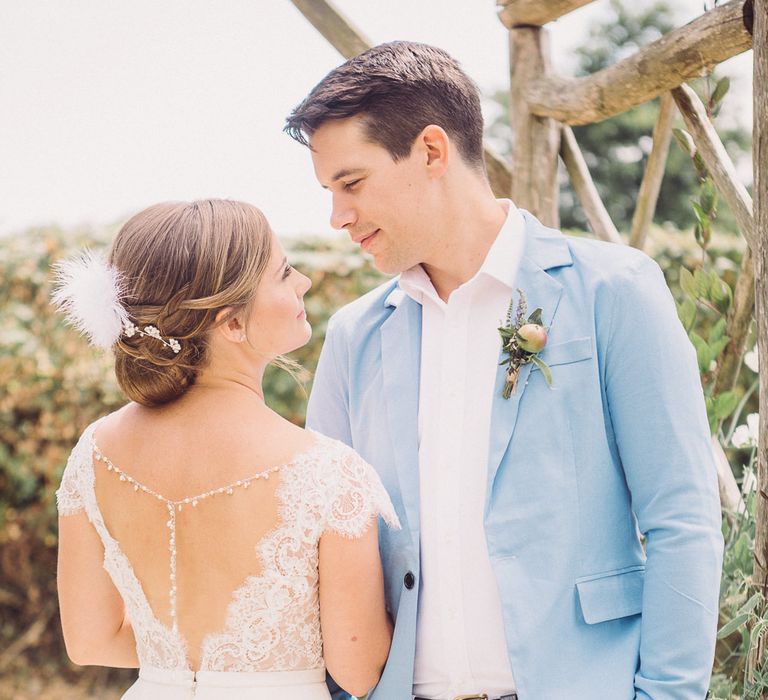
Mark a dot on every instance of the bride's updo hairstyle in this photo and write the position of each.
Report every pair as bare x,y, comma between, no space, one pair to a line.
180,264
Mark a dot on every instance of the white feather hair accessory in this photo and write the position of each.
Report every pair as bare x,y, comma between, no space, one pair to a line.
88,291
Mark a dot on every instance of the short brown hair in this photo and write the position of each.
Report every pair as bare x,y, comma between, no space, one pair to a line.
398,89
181,263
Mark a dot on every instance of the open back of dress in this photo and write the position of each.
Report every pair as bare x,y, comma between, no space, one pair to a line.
204,587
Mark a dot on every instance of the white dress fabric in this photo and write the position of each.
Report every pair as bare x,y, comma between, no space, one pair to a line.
271,644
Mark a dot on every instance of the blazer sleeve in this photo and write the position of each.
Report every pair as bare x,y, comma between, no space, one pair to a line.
328,413
328,407
656,407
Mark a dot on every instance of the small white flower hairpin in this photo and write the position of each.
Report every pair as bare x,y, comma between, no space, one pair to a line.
89,292
131,329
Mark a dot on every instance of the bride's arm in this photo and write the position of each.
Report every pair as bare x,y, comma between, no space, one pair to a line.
93,620
356,628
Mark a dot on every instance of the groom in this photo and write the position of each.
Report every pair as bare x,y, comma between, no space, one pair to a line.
559,544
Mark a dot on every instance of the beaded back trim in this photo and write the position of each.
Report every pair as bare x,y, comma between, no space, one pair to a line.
172,507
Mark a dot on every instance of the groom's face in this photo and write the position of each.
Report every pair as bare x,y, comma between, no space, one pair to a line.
383,204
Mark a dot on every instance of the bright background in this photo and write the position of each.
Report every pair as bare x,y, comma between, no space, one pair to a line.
111,106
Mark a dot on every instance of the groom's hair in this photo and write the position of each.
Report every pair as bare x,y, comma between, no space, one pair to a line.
398,89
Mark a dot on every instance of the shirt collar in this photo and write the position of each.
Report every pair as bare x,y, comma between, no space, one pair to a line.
500,263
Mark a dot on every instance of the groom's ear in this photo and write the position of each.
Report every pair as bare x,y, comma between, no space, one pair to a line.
434,146
230,323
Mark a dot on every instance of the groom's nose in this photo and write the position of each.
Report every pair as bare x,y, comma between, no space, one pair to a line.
342,214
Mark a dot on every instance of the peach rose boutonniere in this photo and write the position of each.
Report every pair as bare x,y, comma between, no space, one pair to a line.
522,340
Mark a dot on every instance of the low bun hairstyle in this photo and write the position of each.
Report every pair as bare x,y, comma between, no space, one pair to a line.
180,264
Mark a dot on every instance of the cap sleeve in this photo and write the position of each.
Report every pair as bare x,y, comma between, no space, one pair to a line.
69,496
354,494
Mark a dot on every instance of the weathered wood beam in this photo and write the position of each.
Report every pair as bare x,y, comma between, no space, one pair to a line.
499,172
535,141
760,250
335,27
716,158
682,54
349,41
534,13
597,215
648,195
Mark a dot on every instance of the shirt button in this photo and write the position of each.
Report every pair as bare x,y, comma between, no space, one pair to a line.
409,579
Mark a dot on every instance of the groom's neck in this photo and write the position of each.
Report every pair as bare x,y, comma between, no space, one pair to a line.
471,222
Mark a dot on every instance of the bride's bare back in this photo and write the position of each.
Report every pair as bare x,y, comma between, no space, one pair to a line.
211,528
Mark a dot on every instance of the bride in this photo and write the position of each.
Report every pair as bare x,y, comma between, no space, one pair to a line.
206,540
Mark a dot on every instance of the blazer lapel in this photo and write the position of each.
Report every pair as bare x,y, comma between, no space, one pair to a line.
401,368
544,250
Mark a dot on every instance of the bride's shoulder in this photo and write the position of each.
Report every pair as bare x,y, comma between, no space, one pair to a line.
349,487
329,451
77,478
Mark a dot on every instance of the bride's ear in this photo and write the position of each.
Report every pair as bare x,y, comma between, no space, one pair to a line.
231,325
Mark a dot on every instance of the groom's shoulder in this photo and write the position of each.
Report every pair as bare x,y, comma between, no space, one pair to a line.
607,267
600,265
369,310
595,262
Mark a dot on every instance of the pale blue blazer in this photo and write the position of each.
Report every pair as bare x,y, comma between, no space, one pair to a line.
578,475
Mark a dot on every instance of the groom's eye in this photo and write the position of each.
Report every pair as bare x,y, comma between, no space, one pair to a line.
349,186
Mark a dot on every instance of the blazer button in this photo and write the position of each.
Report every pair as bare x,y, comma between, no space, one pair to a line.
409,579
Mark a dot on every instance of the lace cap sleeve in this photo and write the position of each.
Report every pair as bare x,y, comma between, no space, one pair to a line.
354,494
69,498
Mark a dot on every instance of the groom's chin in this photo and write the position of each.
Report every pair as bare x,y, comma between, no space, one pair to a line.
387,266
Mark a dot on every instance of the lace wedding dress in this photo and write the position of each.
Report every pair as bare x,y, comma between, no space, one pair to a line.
270,645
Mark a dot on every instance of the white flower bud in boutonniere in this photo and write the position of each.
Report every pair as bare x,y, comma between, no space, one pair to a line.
522,340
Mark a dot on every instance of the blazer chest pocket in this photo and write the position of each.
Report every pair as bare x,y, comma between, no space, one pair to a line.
611,596
567,352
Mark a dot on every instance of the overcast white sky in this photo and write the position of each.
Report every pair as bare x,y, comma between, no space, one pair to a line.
110,106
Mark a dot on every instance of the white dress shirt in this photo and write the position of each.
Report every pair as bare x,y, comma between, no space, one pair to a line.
460,640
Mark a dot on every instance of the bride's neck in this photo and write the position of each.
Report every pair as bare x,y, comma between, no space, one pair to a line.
231,381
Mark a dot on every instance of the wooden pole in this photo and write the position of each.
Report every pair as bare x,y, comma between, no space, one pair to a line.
535,140
682,54
598,217
730,493
535,13
760,249
723,172
648,195
716,158
738,321
349,42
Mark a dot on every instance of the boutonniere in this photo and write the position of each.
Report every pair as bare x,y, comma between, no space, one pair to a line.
522,340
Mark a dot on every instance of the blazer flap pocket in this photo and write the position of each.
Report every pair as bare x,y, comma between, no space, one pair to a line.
611,596
568,351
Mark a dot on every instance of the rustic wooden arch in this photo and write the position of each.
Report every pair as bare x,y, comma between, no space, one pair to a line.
543,106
